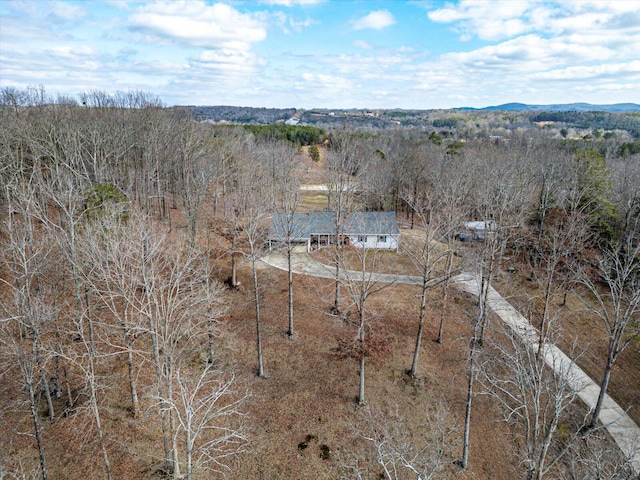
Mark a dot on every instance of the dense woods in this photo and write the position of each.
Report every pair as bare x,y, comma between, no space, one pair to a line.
140,334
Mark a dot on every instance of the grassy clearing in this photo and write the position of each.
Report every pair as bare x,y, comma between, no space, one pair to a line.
313,200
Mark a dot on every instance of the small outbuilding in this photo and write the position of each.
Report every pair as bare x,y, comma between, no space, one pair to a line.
477,230
317,229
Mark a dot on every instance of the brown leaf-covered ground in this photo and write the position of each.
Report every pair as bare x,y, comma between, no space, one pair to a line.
311,391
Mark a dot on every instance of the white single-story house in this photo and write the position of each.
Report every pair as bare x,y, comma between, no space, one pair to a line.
317,229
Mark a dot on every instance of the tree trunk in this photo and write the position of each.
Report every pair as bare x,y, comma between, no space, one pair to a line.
564,298
68,387
168,363
472,373
161,200
132,375
485,286
482,307
256,299
161,394
467,415
210,337
37,429
423,302
130,362
445,292
336,302
542,458
61,370
544,321
413,211
188,454
174,444
86,312
96,417
43,374
169,219
132,382
193,222
47,394
290,332
234,262
361,399
603,386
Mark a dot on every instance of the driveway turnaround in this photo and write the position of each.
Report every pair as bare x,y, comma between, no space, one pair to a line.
621,427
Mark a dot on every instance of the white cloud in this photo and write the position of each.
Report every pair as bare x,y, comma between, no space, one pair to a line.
198,51
376,20
486,19
528,53
195,23
299,25
580,72
287,23
562,49
500,19
227,61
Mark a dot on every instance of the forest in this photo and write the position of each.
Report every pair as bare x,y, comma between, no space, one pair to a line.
145,334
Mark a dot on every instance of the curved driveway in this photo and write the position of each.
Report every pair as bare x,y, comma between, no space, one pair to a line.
620,426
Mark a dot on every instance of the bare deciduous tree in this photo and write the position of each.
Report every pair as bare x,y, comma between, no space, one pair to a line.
252,202
453,188
21,338
287,179
593,457
400,446
536,400
501,194
553,253
208,420
615,289
113,246
342,164
194,170
431,253
361,284
28,316
154,288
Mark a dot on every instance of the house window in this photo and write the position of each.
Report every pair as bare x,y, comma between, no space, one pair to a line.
382,239
362,239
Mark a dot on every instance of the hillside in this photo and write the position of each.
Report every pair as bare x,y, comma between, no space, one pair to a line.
142,336
463,121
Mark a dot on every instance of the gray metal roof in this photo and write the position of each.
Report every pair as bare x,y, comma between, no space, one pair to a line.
303,225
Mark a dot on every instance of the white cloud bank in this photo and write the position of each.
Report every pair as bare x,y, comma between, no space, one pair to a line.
195,23
313,53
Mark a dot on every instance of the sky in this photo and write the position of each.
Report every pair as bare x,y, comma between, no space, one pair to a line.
327,53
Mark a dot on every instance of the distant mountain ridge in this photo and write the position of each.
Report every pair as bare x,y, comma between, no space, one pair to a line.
566,107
